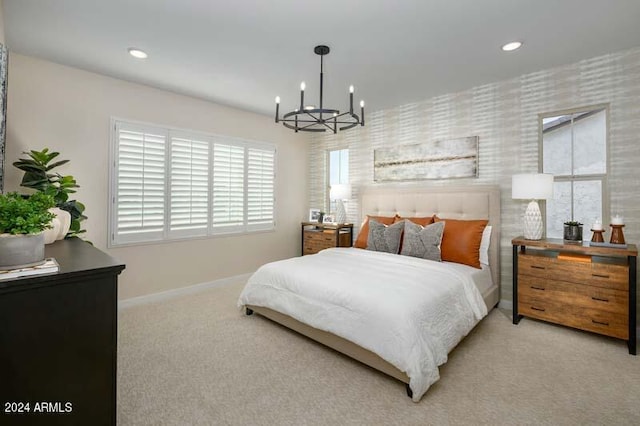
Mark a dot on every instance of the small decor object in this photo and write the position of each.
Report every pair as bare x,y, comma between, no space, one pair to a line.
309,118
22,220
339,193
453,158
47,267
532,186
573,232
617,220
330,220
314,215
597,236
617,237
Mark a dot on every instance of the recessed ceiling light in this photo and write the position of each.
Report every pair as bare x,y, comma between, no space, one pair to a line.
137,53
511,46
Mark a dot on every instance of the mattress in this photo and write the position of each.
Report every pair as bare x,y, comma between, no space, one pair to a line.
481,277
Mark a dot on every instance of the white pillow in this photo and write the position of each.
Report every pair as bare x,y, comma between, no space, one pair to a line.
484,245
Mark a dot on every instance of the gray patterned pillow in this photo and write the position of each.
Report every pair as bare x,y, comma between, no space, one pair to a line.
384,238
423,242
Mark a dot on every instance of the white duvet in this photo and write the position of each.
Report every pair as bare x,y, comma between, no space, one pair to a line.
409,311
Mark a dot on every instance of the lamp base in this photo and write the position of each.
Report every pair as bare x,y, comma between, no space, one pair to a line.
341,214
533,222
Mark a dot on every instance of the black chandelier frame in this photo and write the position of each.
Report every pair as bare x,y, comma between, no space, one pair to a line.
320,119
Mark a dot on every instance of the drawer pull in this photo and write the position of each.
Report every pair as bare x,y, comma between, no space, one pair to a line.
600,275
537,288
538,267
599,299
538,309
600,322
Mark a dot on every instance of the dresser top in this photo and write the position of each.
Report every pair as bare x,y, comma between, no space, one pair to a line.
584,247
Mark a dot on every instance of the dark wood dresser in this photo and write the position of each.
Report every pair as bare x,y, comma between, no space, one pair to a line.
590,288
58,335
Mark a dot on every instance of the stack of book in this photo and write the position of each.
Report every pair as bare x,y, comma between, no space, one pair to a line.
49,266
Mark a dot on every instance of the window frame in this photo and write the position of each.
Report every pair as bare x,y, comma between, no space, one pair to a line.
602,177
328,201
168,235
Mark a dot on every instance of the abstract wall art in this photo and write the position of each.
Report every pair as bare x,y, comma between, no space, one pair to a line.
446,159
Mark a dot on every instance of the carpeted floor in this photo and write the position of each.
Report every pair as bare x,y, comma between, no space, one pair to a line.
197,360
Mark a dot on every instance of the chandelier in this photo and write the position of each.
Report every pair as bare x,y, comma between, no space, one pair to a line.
311,119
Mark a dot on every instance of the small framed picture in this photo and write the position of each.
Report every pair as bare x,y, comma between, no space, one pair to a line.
314,215
329,219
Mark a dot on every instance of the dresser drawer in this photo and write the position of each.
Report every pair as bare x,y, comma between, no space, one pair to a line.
598,321
566,293
593,273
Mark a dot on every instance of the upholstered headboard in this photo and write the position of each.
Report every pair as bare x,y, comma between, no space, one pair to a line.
453,202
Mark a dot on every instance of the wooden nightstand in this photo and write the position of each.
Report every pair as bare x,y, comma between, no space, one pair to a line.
590,288
319,236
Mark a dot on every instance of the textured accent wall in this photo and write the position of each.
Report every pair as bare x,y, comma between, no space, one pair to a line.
505,117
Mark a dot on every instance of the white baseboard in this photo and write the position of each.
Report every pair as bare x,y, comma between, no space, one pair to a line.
169,294
505,304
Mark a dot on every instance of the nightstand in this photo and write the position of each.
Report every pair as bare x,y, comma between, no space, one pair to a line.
576,285
319,236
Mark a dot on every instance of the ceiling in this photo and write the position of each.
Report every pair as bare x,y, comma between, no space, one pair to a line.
243,53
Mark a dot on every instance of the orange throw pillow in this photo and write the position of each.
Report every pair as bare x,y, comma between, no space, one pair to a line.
363,235
422,221
461,240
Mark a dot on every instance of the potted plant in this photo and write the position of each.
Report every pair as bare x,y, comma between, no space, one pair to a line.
573,231
38,175
22,220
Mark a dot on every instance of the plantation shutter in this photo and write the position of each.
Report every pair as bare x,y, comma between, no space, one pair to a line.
189,186
139,199
228,188
260,188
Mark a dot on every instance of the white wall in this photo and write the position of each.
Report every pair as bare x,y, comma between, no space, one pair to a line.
69,110
505,117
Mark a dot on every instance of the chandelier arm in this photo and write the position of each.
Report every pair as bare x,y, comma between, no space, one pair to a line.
301,129
309,126
289,120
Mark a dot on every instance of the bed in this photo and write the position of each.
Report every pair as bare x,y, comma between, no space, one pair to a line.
371,306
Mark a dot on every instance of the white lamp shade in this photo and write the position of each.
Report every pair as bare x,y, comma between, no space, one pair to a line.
532,186
340,192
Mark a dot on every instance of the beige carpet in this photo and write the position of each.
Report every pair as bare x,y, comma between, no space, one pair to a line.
197,360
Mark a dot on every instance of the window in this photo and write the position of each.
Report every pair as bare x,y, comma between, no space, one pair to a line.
574,150
171,184
338,171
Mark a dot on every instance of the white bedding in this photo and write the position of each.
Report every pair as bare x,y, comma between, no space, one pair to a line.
409,311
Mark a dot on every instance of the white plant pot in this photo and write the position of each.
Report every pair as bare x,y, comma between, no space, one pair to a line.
51,234
65,221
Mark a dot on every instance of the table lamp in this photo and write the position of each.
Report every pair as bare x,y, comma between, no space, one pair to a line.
534,187
339,193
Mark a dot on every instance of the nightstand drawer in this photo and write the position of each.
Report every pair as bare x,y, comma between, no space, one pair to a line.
571,294
320,236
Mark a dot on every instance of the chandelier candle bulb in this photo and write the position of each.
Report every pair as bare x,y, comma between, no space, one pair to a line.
362,112
277,108
351,99
302,87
